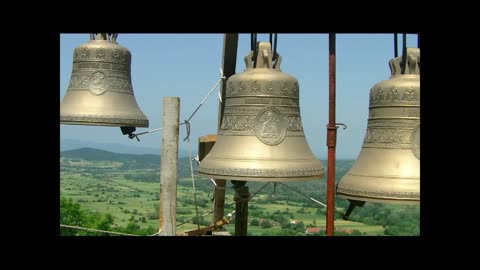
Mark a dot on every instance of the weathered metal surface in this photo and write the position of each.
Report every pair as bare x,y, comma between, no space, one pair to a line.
261,134
388,167
100,91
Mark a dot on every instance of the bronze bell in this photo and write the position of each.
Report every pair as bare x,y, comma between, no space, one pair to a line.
261,135
388,167
100,91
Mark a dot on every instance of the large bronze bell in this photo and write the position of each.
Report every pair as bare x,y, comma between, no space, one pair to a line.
261,135
100,91
388,167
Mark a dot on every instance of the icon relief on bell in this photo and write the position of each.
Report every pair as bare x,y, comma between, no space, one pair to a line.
270,126
97,83
75,53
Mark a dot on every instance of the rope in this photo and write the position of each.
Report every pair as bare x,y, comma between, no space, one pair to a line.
95,230
157,233
187,128
312,199
191,171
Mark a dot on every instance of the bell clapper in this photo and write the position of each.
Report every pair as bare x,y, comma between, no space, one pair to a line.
353,204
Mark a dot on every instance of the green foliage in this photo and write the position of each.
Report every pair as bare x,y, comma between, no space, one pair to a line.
124,184
398,220
265,224
72,214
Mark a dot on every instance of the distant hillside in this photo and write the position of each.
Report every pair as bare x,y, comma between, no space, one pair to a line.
70,144
130,161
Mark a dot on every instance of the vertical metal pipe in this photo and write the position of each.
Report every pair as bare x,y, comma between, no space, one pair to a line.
404,53
331,137
395,45
169,166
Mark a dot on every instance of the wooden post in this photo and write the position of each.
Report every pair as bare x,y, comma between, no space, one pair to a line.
241,207
169,166
229,62
205,144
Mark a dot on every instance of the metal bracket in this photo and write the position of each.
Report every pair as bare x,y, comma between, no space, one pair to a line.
337,125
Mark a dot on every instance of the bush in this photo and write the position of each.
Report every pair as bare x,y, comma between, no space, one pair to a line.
266,224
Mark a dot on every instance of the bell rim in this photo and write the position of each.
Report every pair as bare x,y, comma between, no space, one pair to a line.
264,179
85,121
411,201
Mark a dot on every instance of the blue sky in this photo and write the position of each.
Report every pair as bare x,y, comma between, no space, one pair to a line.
188,65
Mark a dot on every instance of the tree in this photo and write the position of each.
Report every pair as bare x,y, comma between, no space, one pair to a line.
70,214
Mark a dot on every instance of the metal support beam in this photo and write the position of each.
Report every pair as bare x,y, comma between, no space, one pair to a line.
331,137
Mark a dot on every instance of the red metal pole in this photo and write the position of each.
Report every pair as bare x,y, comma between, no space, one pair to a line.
331,137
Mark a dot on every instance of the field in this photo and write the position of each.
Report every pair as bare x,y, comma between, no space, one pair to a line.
101,186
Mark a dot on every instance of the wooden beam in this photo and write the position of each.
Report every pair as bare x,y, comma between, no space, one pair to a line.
169,166
229,62
205,144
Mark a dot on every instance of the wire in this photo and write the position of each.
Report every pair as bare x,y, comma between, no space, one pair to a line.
241,200
312,199
133,135
96,230
209,93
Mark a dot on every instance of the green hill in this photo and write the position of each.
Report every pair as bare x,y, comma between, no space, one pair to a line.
127,161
